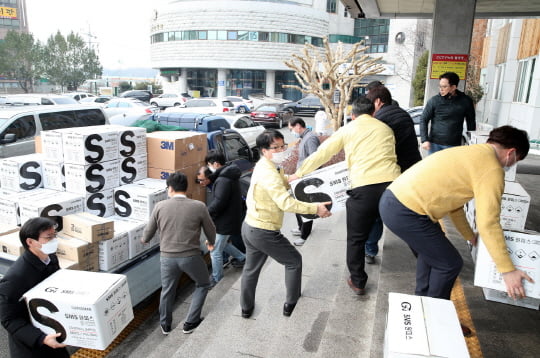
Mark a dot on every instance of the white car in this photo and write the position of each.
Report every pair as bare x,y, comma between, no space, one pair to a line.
205,105
246,127
169,100
38,99
78,95
241,105
126,111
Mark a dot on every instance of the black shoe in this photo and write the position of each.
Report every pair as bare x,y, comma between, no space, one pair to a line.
288,308
356,290
370,260
247,313
165,329
190,327
237,263
466,331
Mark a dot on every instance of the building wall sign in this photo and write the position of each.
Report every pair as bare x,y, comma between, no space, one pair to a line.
8,12
441,63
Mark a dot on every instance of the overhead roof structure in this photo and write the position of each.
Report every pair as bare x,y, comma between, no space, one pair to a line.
424,8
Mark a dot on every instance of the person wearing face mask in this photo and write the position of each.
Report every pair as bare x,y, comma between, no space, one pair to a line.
39,261
441,124
267,199
309,142
440,185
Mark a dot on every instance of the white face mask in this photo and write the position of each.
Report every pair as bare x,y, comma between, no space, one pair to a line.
508,167
212,169
279,157
50,247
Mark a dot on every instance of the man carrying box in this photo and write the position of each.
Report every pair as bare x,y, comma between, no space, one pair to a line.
179,221
39,261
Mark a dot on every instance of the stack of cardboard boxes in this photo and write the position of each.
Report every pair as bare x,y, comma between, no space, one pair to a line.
523,245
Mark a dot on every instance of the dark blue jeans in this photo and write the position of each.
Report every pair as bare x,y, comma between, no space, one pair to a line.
439,263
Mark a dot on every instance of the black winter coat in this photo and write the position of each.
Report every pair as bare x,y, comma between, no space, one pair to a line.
227,206
406,142
25,340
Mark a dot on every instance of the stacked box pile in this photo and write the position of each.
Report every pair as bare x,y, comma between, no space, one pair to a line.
523,245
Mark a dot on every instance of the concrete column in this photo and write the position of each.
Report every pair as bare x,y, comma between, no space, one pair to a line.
182,81
221,81
270,83
452,32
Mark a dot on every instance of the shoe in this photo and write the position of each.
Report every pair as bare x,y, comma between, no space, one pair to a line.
466,331
358,291
165,329
190,327
370,260
226,263
288,308
299,242
212,283
237,263
296,232
247,313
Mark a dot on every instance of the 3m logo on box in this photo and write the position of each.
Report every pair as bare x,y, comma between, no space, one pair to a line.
167,145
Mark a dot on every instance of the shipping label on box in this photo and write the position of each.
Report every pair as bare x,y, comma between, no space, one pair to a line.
137,201
514,206
89,145
176,149
54,175
89,309
502,297
113,252
10,244
133,169
100,203
88,227
131,140
326,184
22,173
423,327
92,178
524,251
53,206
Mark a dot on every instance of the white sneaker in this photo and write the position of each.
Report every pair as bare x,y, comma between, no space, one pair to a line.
299,242
296,232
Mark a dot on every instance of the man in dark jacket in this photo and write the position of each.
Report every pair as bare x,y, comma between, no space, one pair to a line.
446,112
38,237
226,209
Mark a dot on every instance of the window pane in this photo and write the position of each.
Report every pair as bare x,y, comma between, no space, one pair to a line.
222,35
264,36
242,35
212,35
202,35
232,35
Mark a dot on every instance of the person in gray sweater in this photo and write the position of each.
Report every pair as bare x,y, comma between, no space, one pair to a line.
179,221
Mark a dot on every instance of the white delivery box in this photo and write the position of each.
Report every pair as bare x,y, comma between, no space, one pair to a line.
131,140
502,297
91,178
54,175
326,184
524,250
419,326
89,309
152,183
21,173
135,229
9,203
100,203
51,144
52,206
113,252
137,201
88,145
514,206
133,169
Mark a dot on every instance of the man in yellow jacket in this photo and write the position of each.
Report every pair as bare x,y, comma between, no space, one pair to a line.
369,147
440,185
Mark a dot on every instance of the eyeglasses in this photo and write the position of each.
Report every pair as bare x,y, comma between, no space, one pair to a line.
281,147
53,236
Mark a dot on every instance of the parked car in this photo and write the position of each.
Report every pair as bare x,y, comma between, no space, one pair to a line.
246,127
19,125
78,95
241,105
141,95
30,99
416,114
204,105
169,100
272,114
102,99
199,122
126,111
306,106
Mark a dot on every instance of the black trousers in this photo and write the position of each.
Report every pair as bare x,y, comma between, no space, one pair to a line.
362,211
304,226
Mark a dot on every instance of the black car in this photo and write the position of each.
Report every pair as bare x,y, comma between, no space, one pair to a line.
138,94
306,106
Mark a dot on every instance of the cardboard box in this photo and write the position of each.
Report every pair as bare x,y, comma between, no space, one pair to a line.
113,252
10,244
88,227
502,297
524,249
326,184
131,140
134,229
92,178
22,173
152,183
90,308
54,175
68,264
53,206
89,145
37,144
137,201
100,203
176,149
422,327
85,254
7,228
133,169
514,206
9,203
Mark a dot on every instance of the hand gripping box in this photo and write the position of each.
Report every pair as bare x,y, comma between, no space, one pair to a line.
176,149
137,201
88,227
91,178
524,250
422,327
502,297
53,206
326,184
89,309
88,145
22,173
